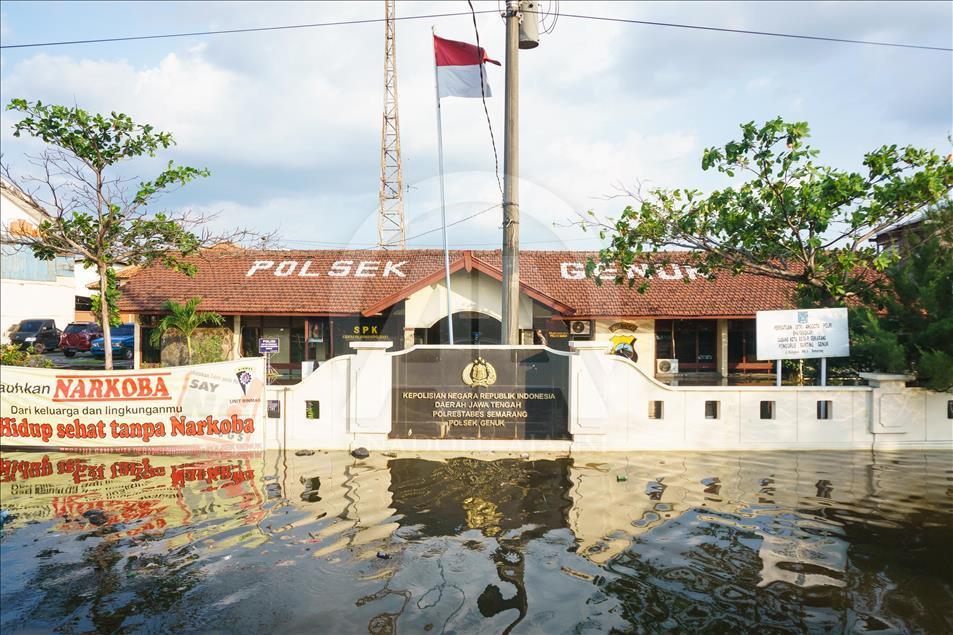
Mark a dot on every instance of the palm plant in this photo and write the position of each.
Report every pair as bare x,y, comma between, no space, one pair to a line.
185,319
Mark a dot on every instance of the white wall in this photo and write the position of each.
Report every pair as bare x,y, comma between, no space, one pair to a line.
609,411
85,276
328,385
471,291
24,299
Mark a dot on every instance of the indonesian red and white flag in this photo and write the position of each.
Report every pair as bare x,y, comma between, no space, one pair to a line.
459,67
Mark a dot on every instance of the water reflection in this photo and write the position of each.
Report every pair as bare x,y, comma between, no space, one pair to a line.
793,542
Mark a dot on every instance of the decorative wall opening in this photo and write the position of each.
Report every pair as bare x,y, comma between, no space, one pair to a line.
656,409
825,409
312,409
767,410
712,409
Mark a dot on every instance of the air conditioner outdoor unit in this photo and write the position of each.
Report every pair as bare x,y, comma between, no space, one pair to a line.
580,327
666,366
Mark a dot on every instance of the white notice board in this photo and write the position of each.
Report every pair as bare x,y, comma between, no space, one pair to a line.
802,334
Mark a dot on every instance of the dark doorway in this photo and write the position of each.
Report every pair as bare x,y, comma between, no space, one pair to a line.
692,342
743,349
469,327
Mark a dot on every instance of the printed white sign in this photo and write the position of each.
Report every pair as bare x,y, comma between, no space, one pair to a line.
802,334
217,407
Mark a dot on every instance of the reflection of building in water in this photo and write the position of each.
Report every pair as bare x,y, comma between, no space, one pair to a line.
136,495
509,500
440,498
435,515
739,539
712,542
617,501
350,498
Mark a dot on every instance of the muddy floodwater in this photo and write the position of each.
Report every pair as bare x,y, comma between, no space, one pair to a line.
652,542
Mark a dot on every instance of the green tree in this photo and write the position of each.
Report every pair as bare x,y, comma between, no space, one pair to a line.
112,300
791,218
185,319
97,215
910,327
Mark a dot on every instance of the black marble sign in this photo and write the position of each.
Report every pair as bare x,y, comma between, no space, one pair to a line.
486,392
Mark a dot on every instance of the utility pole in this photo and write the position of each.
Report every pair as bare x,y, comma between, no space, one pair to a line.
511,193
390,217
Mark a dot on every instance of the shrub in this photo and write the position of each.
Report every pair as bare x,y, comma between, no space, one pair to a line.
12,355
208,347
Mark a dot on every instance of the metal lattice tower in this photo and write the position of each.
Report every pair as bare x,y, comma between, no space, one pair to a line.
390,219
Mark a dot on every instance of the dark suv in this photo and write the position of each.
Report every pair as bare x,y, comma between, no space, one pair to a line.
78,337
42,335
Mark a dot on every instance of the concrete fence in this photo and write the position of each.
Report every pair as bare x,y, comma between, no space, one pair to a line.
614,406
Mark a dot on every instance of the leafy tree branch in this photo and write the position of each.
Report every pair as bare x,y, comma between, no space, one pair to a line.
789,218
105,219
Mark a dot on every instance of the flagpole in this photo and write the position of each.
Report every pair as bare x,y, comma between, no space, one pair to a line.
443,201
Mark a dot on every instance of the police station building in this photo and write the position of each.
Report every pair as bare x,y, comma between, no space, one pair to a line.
317,302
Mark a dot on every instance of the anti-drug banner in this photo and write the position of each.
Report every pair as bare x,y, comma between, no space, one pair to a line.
214,407
802,334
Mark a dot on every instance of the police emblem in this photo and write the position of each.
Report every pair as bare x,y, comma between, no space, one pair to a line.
478,373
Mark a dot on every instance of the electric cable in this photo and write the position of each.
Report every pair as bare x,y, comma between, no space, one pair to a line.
456,222
797,36
429,231
284,27
486,111
697,27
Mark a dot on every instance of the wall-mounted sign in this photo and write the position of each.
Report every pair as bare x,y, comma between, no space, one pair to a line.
217,407
802,334
480,393
624,346
623,326
267,345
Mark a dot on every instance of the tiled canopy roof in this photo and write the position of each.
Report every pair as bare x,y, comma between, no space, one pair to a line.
354,281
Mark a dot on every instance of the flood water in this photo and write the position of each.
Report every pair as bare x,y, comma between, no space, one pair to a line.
650,542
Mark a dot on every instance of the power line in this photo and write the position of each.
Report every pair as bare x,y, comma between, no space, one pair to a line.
232,31
699,27
696,27
554,241
489,124
456,222
409,238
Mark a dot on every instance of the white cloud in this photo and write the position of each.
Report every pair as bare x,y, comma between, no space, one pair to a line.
289,121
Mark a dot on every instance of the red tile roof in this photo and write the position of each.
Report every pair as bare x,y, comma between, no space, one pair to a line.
353,281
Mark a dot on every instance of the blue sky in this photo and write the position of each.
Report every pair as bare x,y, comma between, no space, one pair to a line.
289,122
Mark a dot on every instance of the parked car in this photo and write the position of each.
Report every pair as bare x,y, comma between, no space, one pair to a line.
123,341
42,335
78,337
